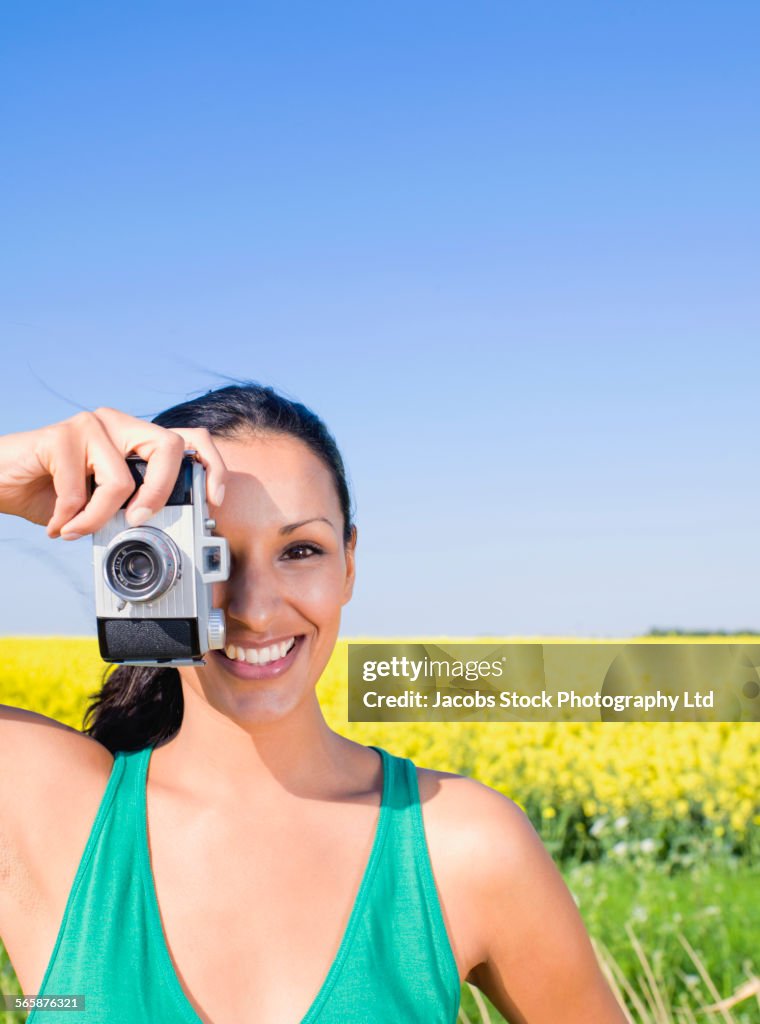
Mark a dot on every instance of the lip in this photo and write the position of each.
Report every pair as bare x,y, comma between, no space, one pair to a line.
243,670
259,645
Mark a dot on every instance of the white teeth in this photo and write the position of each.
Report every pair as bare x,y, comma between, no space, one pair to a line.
260,656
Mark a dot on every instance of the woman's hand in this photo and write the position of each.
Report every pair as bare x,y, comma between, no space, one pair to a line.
43,473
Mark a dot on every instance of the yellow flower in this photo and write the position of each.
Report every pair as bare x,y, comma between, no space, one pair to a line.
681,808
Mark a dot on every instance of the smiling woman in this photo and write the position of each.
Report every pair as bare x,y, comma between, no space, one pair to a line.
222,854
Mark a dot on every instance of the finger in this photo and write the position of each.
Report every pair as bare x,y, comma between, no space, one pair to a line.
162,450
163,455
114,485
70,485
210,458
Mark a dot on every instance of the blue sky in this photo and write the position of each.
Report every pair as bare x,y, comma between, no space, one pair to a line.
508,252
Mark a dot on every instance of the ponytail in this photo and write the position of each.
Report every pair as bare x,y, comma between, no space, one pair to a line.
136,707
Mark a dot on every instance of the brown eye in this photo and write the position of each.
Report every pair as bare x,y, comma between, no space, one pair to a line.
299,552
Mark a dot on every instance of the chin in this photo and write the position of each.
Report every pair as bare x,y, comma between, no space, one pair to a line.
250,702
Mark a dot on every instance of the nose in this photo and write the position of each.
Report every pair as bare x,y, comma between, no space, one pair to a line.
251,597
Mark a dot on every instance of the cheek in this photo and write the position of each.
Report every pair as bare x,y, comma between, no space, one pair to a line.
316,594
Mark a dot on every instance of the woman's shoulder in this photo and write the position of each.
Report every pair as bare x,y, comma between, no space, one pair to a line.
472,816
33,745
52,778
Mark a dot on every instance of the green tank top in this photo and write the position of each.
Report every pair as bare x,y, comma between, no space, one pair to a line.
394,962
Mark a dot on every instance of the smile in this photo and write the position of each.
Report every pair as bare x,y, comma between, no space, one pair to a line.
260,655
259,662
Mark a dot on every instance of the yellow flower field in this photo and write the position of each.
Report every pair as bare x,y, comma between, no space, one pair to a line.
589,779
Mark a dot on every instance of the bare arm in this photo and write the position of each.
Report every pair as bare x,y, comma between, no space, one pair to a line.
539,966
51,777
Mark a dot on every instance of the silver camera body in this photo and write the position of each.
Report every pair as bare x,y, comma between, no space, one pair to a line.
153,582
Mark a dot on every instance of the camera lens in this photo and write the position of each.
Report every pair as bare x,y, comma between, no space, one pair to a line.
136,568
141,564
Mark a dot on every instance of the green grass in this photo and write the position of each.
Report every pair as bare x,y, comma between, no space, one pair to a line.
716,907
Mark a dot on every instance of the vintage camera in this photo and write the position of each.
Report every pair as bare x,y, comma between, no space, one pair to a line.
153,582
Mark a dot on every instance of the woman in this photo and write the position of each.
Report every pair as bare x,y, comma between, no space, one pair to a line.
210,850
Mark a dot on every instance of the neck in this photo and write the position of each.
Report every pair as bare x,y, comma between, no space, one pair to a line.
222,758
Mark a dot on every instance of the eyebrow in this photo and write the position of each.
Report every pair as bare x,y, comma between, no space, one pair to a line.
294,526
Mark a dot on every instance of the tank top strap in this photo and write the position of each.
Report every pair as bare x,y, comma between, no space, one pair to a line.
125,834
413,842
405,898
101,950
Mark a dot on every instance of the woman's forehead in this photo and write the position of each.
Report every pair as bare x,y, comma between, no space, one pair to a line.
276,477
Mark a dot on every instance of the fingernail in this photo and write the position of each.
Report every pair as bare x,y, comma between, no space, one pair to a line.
219,494
71,536
138,516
